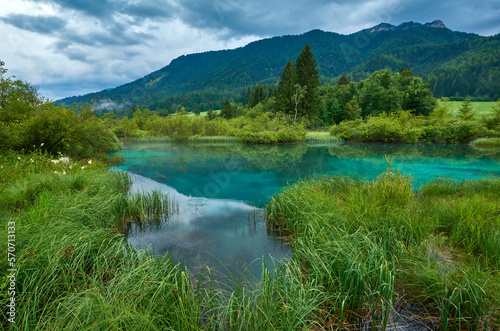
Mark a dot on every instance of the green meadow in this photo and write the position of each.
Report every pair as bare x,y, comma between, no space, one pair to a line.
483,108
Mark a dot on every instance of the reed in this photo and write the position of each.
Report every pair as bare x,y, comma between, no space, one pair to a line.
367,243
360,249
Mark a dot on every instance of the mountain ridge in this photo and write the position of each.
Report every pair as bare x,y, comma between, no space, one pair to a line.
226,72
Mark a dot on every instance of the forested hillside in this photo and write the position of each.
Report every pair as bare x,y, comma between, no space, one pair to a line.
455,64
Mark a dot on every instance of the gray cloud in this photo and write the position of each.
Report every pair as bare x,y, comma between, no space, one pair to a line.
90,45
94,8
264,18
42,24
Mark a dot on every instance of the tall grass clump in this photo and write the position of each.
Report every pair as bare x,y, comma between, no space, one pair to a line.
372,245
76,270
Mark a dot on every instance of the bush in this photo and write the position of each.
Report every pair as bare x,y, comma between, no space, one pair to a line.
403,127
268,128
346,130
61,130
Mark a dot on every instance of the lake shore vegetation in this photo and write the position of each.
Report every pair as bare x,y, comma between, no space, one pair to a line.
361,249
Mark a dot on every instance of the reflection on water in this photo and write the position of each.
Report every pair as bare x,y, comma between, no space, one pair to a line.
227,236
253,173
217,187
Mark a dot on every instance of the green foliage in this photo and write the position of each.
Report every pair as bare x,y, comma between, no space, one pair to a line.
416,95
343,80
267,128
258,95
379,94
466,113
404,127
286,89
18,100
374,245
227,110
457,64
29,123
308,75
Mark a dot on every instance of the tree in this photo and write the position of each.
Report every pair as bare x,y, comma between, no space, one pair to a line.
18,100
210,114
343,80
258,95
286,89
379,94
300,92
308,75
466,113
416,95
227,110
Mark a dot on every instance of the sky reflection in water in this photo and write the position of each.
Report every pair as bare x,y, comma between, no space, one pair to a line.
217,187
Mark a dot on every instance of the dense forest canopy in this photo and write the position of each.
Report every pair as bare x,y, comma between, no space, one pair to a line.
455,64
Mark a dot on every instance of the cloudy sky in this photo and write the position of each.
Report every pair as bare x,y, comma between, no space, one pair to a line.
73,47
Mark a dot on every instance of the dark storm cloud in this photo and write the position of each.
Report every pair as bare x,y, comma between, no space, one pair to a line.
39,24
95,8
269,18
106,9
256,17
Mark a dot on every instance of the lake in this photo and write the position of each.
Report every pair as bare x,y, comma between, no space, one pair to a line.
222,188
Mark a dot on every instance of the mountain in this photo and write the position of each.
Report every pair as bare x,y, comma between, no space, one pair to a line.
431,50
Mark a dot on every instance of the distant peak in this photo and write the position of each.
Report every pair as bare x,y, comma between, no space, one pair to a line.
406,25
382,27
436,24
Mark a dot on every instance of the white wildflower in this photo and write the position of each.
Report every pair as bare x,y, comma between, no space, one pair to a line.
90,161
54,161
18,157
32,161
55,172
64,159
83,167
42,144
64,172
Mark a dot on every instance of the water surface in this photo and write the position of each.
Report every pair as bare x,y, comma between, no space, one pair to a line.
220,187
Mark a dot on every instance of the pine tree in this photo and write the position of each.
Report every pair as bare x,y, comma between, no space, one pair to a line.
466,113
227,110
308,75
258,95
343,80
210,114
286,89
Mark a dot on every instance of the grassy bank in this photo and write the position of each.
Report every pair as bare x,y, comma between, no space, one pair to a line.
361,251
75,269
373,247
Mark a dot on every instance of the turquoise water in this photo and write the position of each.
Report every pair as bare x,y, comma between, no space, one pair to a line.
220,187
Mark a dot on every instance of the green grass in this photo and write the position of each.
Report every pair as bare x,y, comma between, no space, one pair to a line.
321,137
361,249
213,139
204,113
494,142
374,245
480,108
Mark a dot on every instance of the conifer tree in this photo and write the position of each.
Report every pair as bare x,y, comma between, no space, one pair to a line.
286,89
343,80
258,95
308,75
227,110
466,113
